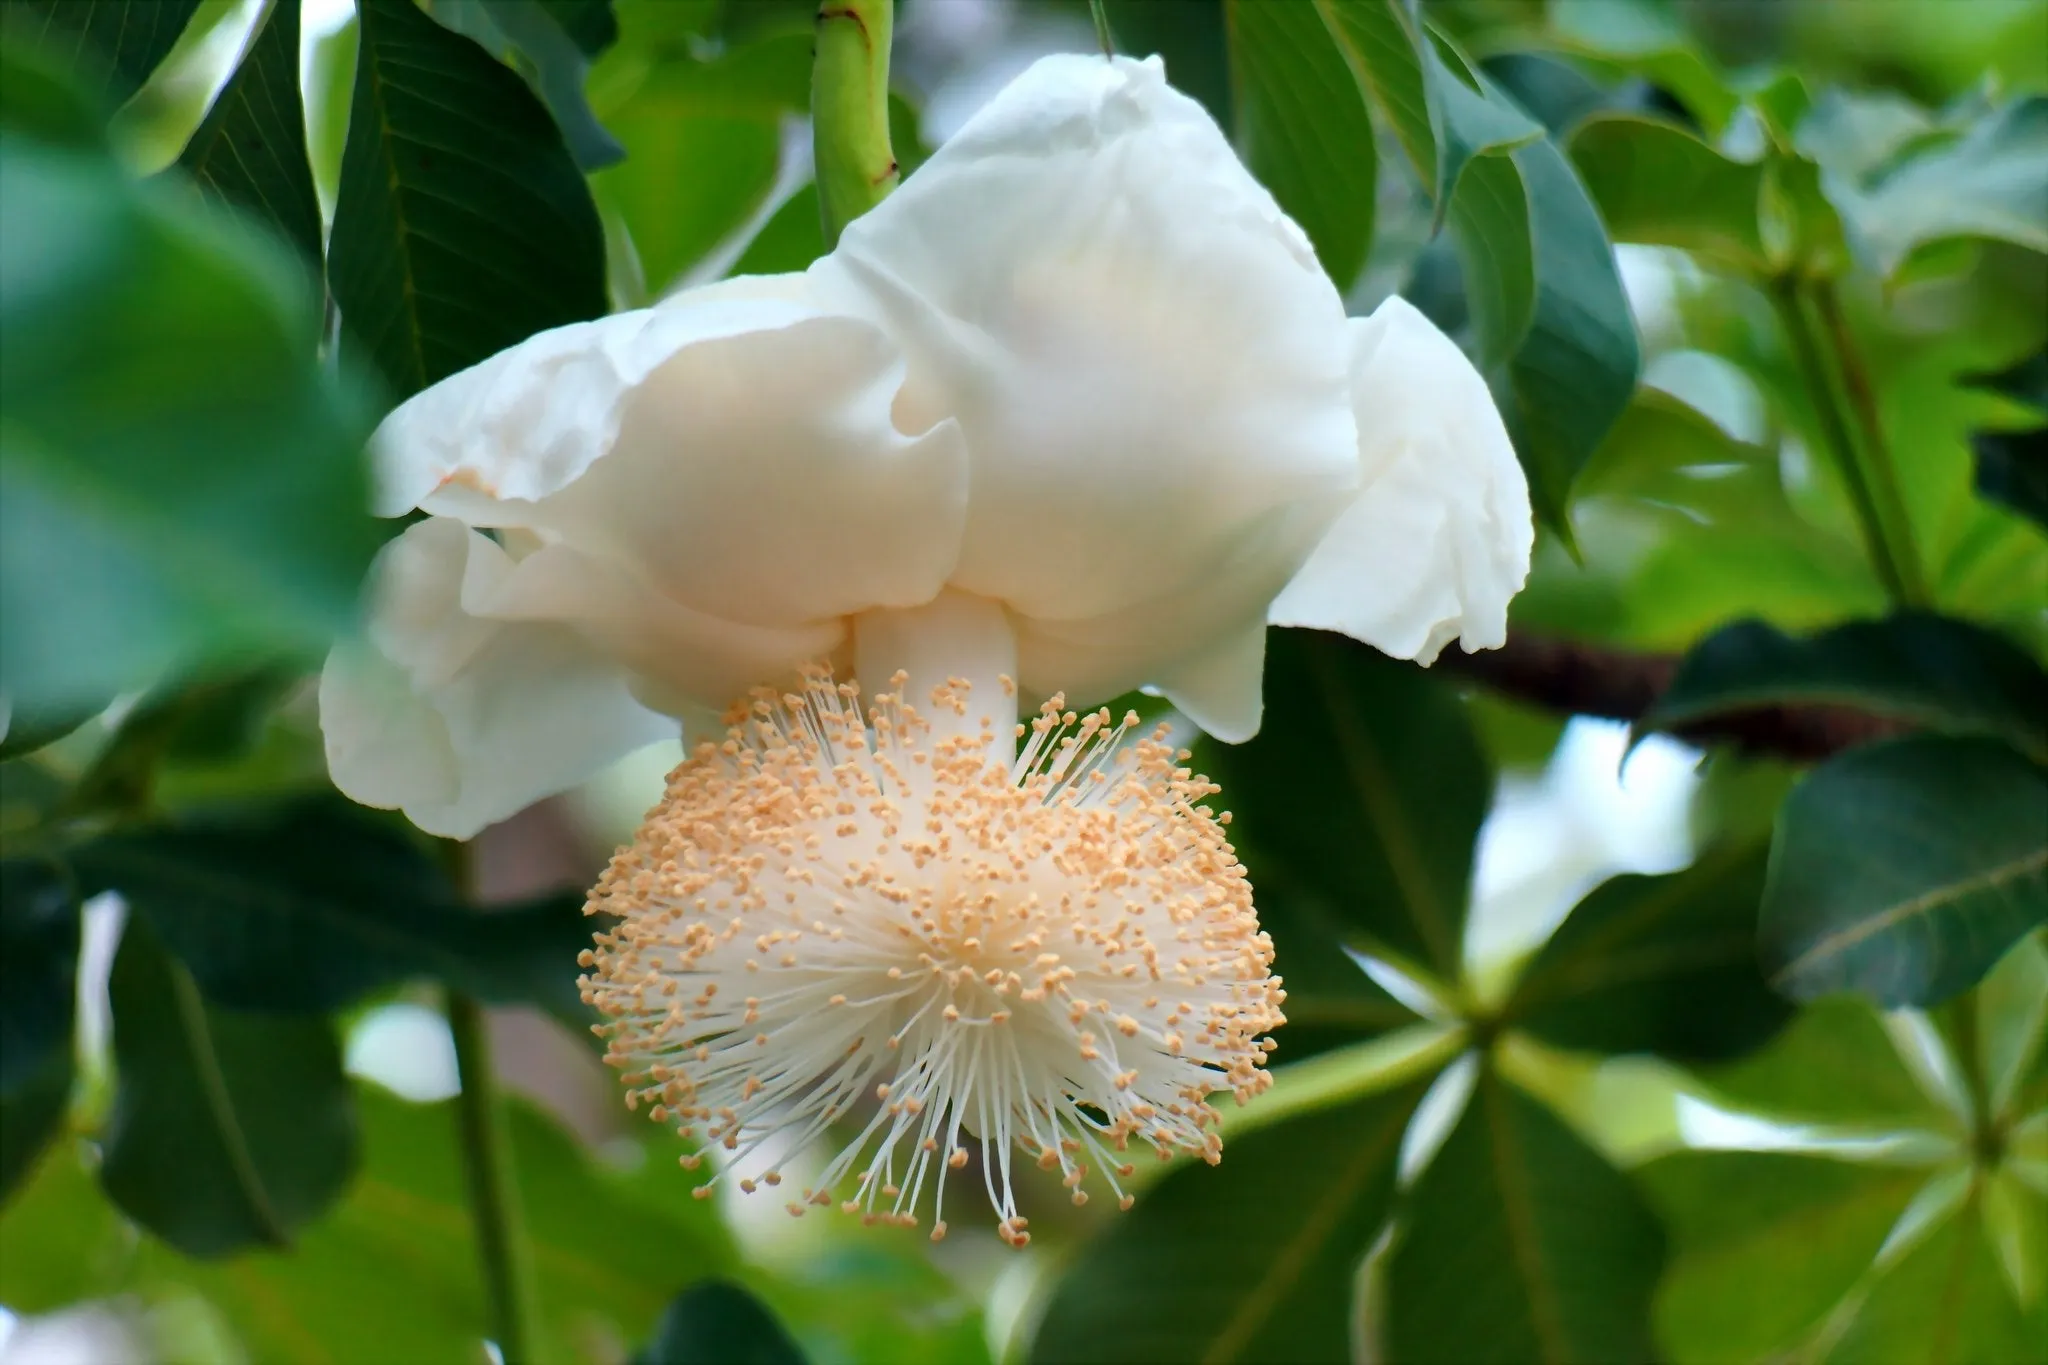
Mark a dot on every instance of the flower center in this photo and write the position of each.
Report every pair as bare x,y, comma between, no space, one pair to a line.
884,918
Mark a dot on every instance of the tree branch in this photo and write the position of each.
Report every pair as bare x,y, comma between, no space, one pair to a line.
1582,679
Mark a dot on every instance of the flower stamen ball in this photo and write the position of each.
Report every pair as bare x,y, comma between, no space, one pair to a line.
847,914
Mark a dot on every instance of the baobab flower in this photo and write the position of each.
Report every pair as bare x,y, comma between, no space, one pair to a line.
1074,411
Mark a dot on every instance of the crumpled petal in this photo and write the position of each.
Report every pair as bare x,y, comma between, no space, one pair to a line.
1137,343
1437,538
458,719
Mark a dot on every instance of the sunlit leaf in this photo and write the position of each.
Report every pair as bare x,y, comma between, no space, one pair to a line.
1764,1245
1902,870
1991,182
1250,1261
229,1130
1658,964
1657,184
1303,127
1521,1244
462,224
1945,1300
1833,1064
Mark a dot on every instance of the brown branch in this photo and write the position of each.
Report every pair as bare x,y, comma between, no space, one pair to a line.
1581,679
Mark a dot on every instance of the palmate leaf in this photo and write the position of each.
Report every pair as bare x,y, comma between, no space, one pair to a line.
462,224
229,1130
1834,1063
251,150
1303,127
1250,1261
1904,869
1521,1244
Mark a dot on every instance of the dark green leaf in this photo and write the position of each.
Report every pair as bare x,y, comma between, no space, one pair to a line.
1474,121
1658,964
1554,332
1833,1064
1365,792
1902,870
251,151
1303,127
2012,466
1764,1244
30,1116
38,966
463,225
1945,1300
589,23
1992,182
1521,1245
1656,183
208,719
1330,1000
118,42
1251,1261
310,905
1383,42
704,140
26,731
229,1130
1926,670
159,359
719,1323
533,35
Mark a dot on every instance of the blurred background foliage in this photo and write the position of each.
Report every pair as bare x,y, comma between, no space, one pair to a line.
1670,984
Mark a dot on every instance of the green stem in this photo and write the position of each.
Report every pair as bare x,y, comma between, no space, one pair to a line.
1879,471
493,1187
1880,513
1959,1022
856,167
1100,11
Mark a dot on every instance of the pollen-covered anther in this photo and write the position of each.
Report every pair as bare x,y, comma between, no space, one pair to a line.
1055,953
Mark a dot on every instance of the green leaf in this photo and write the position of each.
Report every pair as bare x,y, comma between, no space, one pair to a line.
1657,184
555,63
1764,1246
310,905
1303,127
180,481
118,42
1658,964
1833,1064
1916,667
38,966
2012,466
30,1115
1476,120
23,731
1331,1001
229,1130
1383,42
719,1323
1992,182
1521,1245
1365,792
590,24
1251,1261
704,142
1554,333
251,150
462,224
1648,38
2012,1025
1946,1300
1904,869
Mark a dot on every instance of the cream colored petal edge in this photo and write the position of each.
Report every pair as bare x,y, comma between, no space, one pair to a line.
459,721
531,419
1437,541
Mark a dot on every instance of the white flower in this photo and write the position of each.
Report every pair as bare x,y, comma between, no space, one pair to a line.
1074,411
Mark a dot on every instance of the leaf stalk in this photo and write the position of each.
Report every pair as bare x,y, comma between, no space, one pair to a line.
855,164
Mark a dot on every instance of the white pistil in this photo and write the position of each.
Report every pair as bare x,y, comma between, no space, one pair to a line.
836,915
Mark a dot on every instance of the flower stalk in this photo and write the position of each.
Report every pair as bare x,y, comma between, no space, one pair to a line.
493,1187
856,166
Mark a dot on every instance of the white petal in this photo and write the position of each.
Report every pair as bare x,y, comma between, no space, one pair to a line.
461,721
1138,345
530,419
1437,540
1221,691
